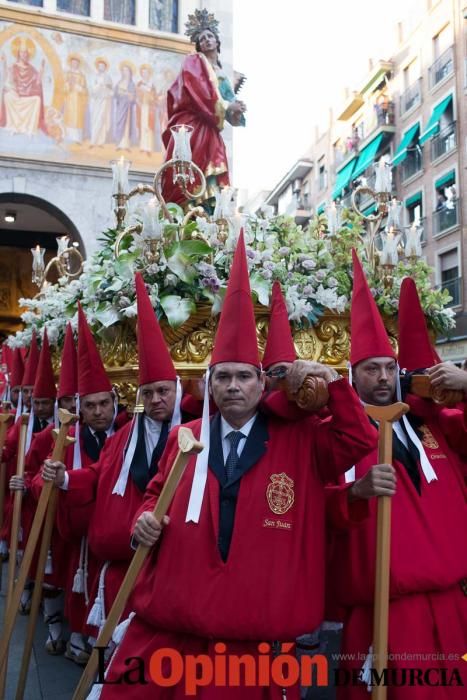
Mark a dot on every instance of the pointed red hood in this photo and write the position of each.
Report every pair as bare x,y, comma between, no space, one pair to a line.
44,386
155,363
415,348
17,369
368,334
92,378
30,368
68,382
279,345
236,333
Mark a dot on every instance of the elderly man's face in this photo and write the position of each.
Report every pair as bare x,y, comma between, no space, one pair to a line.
159,399
375,380
236,389
98,410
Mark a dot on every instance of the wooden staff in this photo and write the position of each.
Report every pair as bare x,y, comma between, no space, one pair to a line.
62,441
385,416
15,526
188,445
5,420
40,570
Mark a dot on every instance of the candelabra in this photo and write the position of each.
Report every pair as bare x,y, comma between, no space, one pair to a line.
384,247
68,262
152,229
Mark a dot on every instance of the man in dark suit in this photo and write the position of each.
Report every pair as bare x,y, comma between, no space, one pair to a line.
242,553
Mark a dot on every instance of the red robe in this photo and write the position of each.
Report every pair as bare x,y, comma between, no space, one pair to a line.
428,612
276,558
194,100
89,498
41,449
72,526
28,504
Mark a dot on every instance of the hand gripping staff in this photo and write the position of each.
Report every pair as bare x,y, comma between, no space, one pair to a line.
188,445
15,526
46,505
385,416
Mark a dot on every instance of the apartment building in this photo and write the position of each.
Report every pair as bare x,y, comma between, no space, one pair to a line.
412,108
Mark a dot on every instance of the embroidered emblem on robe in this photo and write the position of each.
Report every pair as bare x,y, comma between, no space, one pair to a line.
428,439
280,493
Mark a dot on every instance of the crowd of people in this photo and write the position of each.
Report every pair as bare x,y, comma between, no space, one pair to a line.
272,528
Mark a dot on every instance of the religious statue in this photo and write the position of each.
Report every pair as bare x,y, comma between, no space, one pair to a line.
23,102
203,98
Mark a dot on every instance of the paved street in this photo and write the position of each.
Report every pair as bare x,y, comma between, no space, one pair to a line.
50,677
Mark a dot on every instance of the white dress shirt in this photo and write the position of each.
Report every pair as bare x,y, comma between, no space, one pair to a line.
226,429
152,432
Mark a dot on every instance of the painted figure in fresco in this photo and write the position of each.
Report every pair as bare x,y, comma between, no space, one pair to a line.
76,99
145,112
202,97
101,103
22,96
124,121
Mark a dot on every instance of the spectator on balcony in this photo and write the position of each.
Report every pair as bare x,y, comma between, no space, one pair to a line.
441,203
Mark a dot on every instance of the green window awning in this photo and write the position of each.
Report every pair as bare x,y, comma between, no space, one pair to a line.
343,178
320,209
407,140
432,126
414,199
370,210
367,156
446,179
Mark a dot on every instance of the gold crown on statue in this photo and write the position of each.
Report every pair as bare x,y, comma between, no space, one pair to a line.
199,22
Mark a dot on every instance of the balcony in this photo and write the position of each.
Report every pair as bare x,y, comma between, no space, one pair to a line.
445,219
442,68
412,164
444,142
454,287
412,97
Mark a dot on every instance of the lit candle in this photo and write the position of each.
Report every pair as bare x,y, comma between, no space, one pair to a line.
389,255
181,135
333,214
120,170
152,227
38,265
413,246
383,182
62,245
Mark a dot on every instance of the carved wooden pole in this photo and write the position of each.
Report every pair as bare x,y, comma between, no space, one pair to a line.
66,419
385,416
188,446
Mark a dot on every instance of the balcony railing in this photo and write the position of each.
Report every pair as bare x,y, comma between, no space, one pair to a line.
444,219
454,288
442,67
444,142
412,96
411,165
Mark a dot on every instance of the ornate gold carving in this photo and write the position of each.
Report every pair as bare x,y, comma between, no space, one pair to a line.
334,334
305,344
